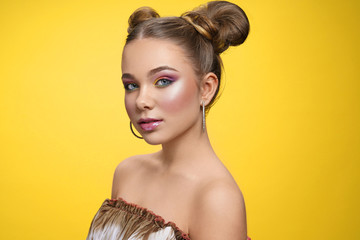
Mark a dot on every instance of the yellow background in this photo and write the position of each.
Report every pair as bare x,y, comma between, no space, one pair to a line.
286,126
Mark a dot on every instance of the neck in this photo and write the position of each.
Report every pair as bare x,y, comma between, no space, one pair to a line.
190,148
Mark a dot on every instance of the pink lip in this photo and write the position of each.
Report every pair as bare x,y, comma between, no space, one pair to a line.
149,124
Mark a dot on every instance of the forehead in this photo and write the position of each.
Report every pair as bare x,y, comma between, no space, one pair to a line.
142,55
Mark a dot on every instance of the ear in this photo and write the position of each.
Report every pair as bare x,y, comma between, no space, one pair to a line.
208,87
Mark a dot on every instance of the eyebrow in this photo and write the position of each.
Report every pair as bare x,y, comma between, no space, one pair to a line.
151,72
161,68
127,75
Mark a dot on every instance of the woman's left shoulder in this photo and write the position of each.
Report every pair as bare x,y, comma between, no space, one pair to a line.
218,211
219,186
221,190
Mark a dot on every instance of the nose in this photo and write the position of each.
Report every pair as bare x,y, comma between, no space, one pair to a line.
144,100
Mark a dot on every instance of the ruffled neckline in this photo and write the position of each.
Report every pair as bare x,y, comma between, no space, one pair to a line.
135,209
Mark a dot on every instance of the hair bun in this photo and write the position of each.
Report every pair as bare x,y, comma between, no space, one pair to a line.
141,15
222,22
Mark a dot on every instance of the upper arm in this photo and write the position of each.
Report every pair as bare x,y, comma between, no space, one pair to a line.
219,213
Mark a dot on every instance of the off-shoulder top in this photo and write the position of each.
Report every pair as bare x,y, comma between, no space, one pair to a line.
119,220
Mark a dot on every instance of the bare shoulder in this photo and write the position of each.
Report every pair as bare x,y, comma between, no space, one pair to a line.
218,212
128,164
137,162
128,169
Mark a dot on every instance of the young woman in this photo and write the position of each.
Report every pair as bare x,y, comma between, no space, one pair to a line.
171,74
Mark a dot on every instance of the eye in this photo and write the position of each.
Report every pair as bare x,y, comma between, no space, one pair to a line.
163,82
130,86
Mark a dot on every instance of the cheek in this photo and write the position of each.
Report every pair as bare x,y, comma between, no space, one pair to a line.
180,96
129,106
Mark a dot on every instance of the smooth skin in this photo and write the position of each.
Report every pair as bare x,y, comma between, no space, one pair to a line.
185,182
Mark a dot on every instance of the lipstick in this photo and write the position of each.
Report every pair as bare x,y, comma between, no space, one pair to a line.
149,124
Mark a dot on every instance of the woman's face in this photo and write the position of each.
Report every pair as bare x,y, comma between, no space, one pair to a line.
162,96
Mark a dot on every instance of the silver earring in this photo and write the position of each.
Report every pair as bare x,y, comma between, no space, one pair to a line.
134,132
203,115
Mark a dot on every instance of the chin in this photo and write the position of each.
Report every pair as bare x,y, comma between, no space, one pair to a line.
155,139
152,139
152,142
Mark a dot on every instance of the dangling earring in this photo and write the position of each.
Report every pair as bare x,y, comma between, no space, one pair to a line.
133,131
203,115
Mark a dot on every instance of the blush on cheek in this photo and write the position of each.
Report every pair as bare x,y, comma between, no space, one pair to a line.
179,96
